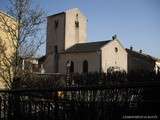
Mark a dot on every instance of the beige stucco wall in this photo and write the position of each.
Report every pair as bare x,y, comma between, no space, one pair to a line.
6,37
75,35
93,59
97,60
110,58
66,34
9,41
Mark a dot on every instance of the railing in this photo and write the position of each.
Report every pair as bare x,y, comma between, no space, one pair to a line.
110,102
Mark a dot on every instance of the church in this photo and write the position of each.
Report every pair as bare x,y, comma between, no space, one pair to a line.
67,46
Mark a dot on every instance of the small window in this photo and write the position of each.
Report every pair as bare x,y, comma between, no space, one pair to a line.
77,24
56,24
116,49
76,15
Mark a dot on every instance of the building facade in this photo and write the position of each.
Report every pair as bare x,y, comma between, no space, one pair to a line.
67,43
157,66
7,43
138,61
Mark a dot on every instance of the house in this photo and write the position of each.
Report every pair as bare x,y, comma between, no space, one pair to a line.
157,66
33,64
139,61
30,64
7,44
67,47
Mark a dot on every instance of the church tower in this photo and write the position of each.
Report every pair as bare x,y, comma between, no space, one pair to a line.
63,30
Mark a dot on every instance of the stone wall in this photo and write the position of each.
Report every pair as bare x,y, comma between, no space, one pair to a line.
55,33
93,59
75,34
114,55
62,33
140,63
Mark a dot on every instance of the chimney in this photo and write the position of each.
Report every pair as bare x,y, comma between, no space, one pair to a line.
131,48
140,51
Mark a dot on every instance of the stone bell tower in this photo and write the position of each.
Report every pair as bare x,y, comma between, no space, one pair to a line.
63,30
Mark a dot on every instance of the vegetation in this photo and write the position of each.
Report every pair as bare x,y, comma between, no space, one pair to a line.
23,31
49,81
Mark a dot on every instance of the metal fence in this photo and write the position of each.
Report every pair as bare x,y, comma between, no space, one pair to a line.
108,102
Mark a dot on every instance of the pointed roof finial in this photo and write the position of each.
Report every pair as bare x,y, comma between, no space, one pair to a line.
131,47
114,37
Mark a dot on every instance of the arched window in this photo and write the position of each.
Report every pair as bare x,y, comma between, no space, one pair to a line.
72,67
85,66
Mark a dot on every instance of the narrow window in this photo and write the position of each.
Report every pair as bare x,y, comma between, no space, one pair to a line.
77,16
56,24
56,58
116,49
85,66
72,67
56,49
77,24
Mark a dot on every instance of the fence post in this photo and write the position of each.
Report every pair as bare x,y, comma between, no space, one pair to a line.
0,107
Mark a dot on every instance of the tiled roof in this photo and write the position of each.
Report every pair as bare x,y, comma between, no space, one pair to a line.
87,47
142,55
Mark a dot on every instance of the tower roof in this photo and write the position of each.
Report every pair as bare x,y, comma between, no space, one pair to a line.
64,12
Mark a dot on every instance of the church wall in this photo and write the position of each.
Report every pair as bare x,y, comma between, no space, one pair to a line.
75,34
111,58
93,59
55,37
55,33
62,32
49,64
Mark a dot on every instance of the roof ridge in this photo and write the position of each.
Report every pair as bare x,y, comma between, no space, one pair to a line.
138,52
89,46
144,54
94,42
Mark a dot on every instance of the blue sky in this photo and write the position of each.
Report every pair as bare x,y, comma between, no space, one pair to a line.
136,22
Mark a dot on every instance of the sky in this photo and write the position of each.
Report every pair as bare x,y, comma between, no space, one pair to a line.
135,22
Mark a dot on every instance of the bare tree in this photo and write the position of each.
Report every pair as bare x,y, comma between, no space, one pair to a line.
23,27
